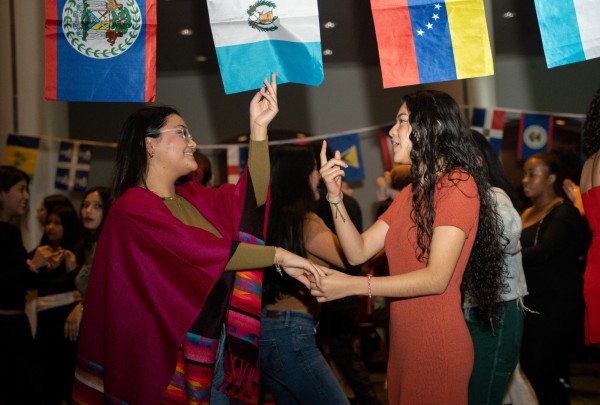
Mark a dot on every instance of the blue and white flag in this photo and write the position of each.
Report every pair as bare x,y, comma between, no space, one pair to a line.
73,168
349,147
255,38
570,30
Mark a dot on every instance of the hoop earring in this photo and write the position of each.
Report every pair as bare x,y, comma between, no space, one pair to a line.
151,154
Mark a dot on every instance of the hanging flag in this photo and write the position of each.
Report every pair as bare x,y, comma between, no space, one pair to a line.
570,30
73,168
386,147
237,157
491,124
349,147
21,151
256,38
100,50
426,41
535,134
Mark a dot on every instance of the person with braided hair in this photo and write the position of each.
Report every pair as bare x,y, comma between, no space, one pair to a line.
441,234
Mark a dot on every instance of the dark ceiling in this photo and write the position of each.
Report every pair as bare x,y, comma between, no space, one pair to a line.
352,39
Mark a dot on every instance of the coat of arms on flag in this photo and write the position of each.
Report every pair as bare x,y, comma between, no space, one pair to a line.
73,168
22,151
254,38
100,50
535,134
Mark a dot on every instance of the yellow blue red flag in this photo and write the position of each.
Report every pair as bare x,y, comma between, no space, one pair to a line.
425,41
100,50
22,151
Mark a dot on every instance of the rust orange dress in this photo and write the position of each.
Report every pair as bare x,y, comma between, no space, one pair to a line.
431,352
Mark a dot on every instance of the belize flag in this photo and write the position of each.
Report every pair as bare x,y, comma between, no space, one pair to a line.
255,38
535,134
426,41
490,122
100,50
570,30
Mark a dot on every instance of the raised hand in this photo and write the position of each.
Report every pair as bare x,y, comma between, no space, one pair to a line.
263,108
332,172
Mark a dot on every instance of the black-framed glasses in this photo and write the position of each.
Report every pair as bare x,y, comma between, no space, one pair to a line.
181,130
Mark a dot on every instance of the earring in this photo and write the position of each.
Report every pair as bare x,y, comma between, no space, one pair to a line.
151,154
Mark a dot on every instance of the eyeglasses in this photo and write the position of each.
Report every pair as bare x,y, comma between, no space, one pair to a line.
183,131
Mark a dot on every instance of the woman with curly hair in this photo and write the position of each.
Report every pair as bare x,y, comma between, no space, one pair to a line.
441,233
590,180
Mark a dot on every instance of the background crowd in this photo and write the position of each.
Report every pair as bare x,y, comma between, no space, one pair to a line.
463,284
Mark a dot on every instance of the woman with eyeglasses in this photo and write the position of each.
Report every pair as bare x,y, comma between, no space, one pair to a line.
165,322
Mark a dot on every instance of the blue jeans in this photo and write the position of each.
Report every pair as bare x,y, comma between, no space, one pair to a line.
496,352
218,397
291,363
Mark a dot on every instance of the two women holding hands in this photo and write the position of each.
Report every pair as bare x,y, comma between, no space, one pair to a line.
440,232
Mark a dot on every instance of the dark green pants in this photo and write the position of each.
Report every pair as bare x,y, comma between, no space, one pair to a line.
496,352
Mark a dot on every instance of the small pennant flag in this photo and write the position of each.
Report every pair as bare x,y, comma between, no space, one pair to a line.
255,38
386,147
426,41
491,124
349,147
570,30
100,50
22,151
73,168
237,157
535,134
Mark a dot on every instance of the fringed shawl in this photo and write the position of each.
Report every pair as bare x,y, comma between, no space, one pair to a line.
151,277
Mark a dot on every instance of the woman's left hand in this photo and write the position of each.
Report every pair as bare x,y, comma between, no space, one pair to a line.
334,286
72,323
263,108
70,259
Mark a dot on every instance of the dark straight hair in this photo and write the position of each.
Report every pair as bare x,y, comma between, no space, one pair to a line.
132,159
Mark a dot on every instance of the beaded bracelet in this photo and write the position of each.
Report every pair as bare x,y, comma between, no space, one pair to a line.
369,284
335,204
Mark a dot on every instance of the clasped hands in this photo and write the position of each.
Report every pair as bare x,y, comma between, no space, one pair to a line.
51,258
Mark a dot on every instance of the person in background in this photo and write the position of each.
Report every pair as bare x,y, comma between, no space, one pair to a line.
164,322
590,195
49,203
439,228
94,208
291,363
203,174
497,342
552,243
56,262
19,378
339,334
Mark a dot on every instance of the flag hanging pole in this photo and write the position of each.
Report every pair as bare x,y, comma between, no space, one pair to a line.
13,57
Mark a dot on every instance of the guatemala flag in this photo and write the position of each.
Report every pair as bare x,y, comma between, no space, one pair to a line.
570,30
256,38
426,41
100,50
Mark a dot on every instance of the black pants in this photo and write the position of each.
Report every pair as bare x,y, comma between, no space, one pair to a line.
546,340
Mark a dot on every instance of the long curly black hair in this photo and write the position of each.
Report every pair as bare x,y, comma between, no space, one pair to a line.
591,127
442,146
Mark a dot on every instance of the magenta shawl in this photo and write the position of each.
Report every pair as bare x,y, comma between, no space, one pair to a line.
150,279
